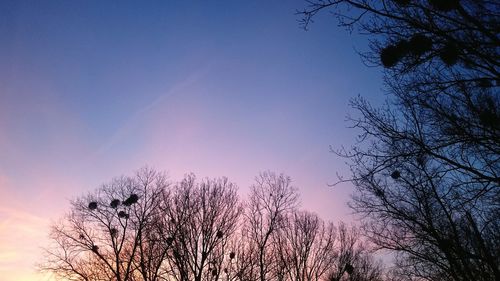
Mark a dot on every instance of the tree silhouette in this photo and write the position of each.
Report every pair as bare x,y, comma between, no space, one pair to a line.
272,198
144,228
206,215
107,237
426,167
353,261
305,247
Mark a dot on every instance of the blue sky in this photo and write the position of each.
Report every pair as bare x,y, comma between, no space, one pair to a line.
90,90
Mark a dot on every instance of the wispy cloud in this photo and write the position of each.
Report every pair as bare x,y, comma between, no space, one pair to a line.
136,119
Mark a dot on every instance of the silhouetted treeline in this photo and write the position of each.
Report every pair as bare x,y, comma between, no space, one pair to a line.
147,228
427,164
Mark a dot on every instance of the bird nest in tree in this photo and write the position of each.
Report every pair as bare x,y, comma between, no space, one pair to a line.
419,44
170,240
402,2
395,175
132,199
93,205
114,203
449,54
123,215
349,268
392,54
444,5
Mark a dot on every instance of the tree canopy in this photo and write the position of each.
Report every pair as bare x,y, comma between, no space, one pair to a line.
145,227
426,166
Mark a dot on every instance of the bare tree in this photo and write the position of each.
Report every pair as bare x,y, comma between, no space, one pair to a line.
103,237
241,264
271,199
353,260
427,164
143,228
152,249
305,247
205,216
451,41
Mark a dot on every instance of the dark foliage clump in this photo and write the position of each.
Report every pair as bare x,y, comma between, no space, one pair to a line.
349,268
449,54
402,2
444,5
114,203
132,199
420,44
392,54
93,205
395,175
170,240
122,214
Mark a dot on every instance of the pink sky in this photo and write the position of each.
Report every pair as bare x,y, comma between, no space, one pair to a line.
93,90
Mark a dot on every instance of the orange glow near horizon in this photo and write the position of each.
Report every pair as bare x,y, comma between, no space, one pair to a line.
94,90
21,237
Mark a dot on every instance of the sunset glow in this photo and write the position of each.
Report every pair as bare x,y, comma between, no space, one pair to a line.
91,90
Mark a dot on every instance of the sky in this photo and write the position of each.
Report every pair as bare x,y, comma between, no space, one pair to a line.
91,90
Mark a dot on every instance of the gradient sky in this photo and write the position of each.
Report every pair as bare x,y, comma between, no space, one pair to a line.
90,90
